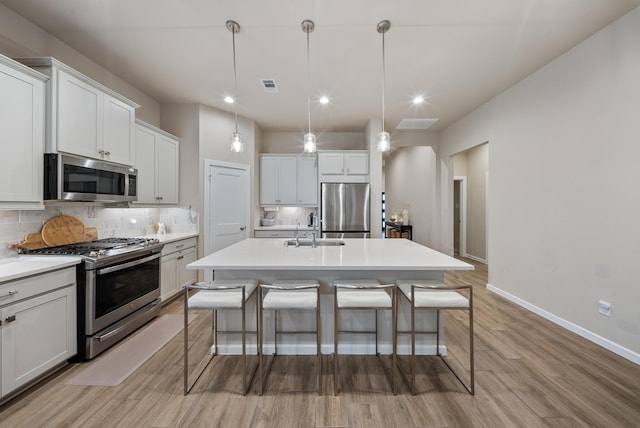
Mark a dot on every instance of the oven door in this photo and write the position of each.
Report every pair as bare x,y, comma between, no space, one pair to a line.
116,291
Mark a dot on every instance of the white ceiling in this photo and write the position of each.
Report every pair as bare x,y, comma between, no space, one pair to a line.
457,53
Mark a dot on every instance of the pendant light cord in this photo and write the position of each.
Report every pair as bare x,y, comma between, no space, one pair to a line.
235,77
384,78
308,86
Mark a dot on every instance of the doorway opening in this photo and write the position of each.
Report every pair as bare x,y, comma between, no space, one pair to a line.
460,216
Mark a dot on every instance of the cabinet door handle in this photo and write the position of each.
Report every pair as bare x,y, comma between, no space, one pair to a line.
9,294
107,153
180,246
180,258
101,152
10,319
242,227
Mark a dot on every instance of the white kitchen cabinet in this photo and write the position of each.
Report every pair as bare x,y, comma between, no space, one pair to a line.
308,180
278,180
38,326
173,267
22,119
157,161
343,166
85,118
290,180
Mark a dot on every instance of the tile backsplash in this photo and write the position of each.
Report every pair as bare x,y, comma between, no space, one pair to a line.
123,222
287,215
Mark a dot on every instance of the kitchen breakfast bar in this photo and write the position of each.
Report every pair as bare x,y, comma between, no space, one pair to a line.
386,260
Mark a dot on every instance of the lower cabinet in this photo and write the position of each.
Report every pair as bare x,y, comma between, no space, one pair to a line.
38,326
173,267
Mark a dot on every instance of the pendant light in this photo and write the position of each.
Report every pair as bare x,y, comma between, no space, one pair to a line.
236,139
309,137
384,140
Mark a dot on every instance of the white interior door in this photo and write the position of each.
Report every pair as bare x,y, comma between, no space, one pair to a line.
227,205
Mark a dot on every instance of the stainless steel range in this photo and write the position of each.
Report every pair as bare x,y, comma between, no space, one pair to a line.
118,288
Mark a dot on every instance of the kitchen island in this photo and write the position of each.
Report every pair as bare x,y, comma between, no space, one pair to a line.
383,259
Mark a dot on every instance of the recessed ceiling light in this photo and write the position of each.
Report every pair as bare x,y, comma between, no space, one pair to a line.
229,100
324,100
418,99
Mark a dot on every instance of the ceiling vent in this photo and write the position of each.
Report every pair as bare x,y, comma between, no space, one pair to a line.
269,85
416,123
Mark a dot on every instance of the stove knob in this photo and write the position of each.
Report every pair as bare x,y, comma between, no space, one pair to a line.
102,252
93,254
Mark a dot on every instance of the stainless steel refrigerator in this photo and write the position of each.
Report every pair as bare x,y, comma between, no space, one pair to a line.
344,210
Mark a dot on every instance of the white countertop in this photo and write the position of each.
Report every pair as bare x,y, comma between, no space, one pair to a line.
172,237
283,227
357,254
13,268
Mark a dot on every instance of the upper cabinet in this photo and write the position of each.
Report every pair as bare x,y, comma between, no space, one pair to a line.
22,118
290,180
307,180
343,166
84,117
157,160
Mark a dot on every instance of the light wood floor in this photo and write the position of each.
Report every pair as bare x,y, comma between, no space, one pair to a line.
529,373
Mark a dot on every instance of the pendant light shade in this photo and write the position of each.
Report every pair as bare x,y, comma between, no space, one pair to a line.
384,140
236,138
309,137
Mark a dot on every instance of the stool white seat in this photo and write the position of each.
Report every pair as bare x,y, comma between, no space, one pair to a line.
214,296
430,299
434,295
294,299
289,294
362,294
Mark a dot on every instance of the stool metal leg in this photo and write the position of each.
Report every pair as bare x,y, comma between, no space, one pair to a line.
336,329
318,338
186,341
413,344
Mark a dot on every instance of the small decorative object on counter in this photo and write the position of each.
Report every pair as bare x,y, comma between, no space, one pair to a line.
267,221
160,228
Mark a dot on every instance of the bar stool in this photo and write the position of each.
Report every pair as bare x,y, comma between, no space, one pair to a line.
434,295
363,294
215,296
289,295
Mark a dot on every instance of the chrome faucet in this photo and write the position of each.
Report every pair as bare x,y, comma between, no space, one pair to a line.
297,234
314,220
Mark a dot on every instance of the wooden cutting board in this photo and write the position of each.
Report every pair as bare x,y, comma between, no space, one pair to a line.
33,241
62,230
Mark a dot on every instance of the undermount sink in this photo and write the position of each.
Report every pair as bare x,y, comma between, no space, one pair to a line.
309,243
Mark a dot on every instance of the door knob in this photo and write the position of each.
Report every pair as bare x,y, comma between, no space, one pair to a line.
242,227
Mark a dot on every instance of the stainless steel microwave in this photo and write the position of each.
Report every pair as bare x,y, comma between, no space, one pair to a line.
72,178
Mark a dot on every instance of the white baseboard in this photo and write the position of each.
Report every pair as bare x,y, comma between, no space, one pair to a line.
476,258
589,335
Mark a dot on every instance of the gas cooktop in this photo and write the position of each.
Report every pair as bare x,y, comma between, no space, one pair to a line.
103,249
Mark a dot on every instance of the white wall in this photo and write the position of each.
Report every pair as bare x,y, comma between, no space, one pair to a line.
474,164
206,134
21,38
562,204
410,183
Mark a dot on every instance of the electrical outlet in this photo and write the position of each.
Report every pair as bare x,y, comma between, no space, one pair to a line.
604,308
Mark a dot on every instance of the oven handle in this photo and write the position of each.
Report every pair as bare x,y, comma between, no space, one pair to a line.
128,265
115,331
